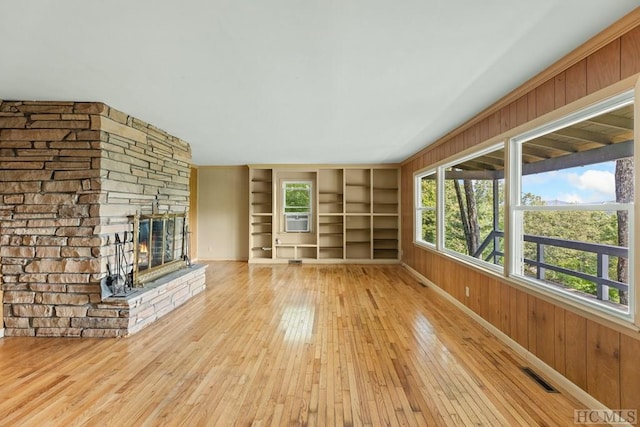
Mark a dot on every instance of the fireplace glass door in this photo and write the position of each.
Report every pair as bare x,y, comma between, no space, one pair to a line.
160,245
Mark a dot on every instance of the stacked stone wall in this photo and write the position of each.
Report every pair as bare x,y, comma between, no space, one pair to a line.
70,175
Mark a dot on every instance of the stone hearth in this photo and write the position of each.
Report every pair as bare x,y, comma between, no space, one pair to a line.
72,174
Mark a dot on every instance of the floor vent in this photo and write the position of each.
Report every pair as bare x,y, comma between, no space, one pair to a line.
295,261
545,385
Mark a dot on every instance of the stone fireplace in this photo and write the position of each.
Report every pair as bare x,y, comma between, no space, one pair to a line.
73,176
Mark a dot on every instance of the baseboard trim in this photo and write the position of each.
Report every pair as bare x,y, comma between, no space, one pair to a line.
559,381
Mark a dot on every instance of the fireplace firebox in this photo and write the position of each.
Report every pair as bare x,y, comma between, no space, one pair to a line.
159,245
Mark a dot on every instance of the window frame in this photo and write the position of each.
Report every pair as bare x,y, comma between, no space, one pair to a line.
419,208
479,151
308,212
516,209
628,322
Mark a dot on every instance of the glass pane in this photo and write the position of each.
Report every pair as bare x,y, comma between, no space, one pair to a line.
143,245
169,240
428,191
297,197
429,226
588,162
179,241
574,249
474,207
471,224
156,242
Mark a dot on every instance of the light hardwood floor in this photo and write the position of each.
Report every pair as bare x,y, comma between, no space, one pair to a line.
283,345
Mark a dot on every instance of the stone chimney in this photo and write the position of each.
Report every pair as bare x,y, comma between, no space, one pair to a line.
71,174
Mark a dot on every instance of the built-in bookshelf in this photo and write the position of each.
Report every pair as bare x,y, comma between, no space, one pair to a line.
261,213
385,191
385,232
358,236
331,237
357,190
355,215
330,191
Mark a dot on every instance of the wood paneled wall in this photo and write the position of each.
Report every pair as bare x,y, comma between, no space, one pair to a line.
597,358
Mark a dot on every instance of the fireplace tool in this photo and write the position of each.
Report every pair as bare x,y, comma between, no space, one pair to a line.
121,281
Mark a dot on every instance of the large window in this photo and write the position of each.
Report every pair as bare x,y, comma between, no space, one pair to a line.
570,206
573,204
474,206
468,195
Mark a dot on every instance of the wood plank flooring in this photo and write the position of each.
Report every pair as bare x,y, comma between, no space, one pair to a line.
283,345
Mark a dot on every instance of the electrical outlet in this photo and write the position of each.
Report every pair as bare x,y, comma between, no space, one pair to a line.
466,290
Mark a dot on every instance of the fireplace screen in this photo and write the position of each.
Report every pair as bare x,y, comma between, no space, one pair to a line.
159,246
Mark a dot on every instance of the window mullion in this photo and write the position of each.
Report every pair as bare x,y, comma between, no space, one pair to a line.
440,203
513,221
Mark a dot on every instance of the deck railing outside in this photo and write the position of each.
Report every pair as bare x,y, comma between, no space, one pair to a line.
603,252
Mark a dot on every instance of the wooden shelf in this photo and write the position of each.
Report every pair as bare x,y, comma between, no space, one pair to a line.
356,213
261,213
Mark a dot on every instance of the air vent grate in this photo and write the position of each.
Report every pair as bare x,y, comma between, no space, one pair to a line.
545,385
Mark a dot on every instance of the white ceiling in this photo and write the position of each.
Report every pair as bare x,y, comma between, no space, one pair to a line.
291,81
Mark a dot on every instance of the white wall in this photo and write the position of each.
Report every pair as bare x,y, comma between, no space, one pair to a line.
223,213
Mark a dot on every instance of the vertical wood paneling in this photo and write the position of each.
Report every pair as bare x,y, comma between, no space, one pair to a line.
484,129
473,300
471,137
629,373
576,81
576,349
475,136
559,341
603,67
505,119
435,274
505,309
545,331
522,108
532,324
521,319
531,106
603,364
513,314
513,114
560,89
630,53
464,278
545,98
493,124
493,294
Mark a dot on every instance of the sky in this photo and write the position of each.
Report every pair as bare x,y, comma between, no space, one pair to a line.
586,184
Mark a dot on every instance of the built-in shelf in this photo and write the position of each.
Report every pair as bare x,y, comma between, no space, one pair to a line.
261,214
355,215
